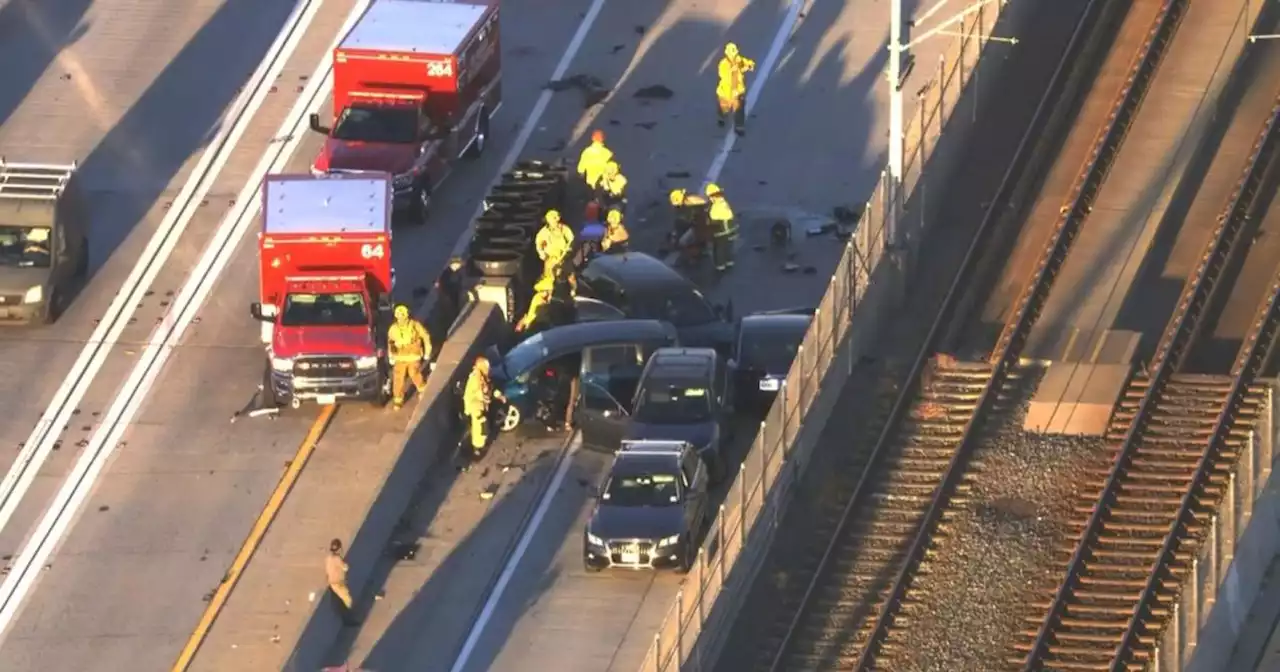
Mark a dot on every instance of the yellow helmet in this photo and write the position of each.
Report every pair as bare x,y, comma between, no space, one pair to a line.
677,196
482,363
611,168
553,217
712,189
614,216
544,284
402,312
731,50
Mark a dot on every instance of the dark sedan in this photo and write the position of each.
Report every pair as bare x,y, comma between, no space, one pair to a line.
765,347
639,286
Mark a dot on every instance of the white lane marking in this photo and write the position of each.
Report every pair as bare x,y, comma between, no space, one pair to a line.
39,444
531,530
509,570
531,122
770,61
57,520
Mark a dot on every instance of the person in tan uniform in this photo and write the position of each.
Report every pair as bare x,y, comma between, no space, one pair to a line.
408,345
335,571
476,397
616,237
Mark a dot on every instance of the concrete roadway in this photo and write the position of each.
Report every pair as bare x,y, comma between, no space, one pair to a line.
173,506
798,160
131,89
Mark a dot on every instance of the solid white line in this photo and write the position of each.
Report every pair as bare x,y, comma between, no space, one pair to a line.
39,444
531,530
57,520
531,122
513,563
753,94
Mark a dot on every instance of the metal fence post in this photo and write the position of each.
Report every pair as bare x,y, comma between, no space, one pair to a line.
657,650
723,548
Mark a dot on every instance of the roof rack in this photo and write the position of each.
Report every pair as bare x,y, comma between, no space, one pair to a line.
35,181
652,447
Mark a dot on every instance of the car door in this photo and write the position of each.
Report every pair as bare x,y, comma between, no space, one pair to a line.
606,378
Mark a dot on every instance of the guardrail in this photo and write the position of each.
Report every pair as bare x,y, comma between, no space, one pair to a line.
1226,526
743,530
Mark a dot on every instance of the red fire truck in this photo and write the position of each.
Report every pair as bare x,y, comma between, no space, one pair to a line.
324,257
414,86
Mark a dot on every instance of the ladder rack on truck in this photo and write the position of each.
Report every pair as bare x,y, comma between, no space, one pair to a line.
35,181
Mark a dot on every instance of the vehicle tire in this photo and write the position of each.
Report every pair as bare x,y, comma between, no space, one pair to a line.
82,264
510,419
497,263
52,307
716,469
586,567
267,398
481,137
420,208
686,562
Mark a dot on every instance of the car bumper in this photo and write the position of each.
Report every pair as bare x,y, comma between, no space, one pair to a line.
25,313
667,557
366,386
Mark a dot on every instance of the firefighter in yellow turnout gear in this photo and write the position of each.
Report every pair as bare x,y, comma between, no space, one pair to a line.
476,397
408,345
612,191
723,229
731,90
554,242
592,161
542,292
616,237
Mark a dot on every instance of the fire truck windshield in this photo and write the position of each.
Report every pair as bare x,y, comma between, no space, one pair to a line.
326,310
377,124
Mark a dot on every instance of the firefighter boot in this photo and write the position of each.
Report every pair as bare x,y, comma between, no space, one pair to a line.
740,116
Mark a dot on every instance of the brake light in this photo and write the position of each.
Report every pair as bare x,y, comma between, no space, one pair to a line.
550,373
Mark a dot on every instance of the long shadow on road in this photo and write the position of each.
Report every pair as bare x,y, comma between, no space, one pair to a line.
32,33
177,115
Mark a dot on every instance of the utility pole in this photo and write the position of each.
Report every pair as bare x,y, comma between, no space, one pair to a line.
897,133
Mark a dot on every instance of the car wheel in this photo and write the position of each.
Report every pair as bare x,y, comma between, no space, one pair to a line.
511,419
588,568
52,307
686,562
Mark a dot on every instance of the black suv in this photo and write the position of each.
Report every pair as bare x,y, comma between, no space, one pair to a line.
650,510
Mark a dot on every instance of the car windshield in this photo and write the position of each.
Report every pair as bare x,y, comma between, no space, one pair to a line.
24,246
772,349
643,489
329,310
683,307
377,124
528,354
673,402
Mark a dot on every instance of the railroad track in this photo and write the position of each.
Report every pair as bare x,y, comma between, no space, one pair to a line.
915,472
1174,437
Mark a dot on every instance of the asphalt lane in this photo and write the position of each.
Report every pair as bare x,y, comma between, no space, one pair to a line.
132,90
174,504
801,157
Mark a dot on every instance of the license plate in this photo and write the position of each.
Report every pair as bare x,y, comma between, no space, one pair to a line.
326,399
631,557
769,385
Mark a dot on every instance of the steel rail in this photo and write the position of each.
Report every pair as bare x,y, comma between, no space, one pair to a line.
1081,195
1254,352
1172,349
1035,293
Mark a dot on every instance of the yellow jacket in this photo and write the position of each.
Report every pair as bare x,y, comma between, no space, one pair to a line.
614,234
408,342
592,161
616,186
733,80
476,395
553,242
539,301
722,214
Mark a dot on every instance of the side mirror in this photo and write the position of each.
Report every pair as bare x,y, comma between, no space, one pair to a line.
317,126
255,311
732,364
384,303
